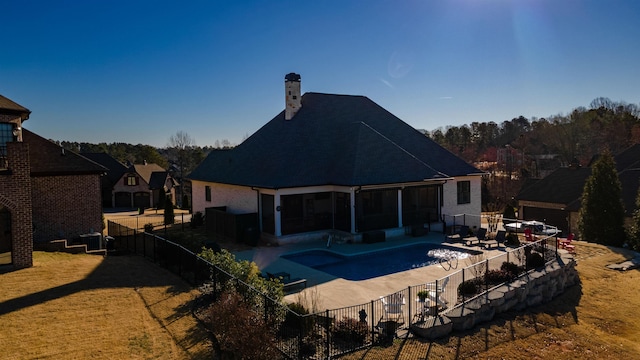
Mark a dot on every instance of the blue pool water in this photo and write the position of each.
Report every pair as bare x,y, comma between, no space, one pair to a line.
374,264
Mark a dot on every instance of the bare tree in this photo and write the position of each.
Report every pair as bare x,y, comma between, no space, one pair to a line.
179,146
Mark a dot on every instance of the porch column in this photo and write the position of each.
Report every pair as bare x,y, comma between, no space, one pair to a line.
276,212
352,195
399,207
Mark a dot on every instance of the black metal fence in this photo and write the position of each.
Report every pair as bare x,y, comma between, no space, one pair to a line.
335,332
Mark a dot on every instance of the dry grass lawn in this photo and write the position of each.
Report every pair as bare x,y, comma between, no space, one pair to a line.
90,307
594,320
81,306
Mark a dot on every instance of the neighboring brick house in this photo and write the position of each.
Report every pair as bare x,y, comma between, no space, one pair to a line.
46,192
336,162
140,187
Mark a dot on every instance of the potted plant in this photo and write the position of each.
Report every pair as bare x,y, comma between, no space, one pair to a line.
422,295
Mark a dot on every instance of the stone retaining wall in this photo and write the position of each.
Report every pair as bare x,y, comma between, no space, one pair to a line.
533,288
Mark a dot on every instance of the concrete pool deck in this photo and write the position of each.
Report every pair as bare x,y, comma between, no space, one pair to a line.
333,292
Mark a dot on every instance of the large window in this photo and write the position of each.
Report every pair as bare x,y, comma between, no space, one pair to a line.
464,192
419,205
377,209
6,135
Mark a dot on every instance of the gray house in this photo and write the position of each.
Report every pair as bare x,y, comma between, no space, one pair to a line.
339,163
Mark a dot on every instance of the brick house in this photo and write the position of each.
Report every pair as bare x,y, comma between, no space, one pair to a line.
140,187
46,192
336,163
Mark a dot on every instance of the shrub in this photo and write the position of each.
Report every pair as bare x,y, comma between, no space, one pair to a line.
496,276
535,260
197,219
350,330
511,268
238,332
295,322
148,228
168,213
512,239
469,287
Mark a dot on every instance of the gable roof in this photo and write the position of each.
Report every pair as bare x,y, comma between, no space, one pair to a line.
158,179
115,168
8,106
146,171
333,139
48,158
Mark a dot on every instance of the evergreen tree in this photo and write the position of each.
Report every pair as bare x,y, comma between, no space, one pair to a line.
601,218
634,232
168,212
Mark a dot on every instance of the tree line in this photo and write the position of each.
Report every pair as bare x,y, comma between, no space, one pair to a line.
580,135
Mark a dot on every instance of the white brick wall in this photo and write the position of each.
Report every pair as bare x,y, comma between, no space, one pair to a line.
450,202
237,199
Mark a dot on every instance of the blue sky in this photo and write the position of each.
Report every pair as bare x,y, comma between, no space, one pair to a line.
139,71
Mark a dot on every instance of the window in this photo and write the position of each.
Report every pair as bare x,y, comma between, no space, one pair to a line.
131,180
464,192
207,193
6,135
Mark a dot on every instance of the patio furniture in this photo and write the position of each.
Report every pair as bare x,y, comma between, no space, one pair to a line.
286,280
501,236
477,239
461,234
393,308
437,290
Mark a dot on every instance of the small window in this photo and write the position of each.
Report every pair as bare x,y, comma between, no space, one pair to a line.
132,180
294,97
207,193
464,192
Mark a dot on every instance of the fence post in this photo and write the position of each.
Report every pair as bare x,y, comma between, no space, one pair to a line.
410,301
463,293
144,244
373,324
135,241
328,324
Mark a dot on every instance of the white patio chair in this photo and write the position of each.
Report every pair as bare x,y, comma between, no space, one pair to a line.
393,308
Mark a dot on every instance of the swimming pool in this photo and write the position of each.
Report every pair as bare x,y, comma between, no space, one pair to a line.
377,263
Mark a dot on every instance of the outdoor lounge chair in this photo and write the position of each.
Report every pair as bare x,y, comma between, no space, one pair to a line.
436,292
477,239
565,243
501,236
461,234
286,280
393,308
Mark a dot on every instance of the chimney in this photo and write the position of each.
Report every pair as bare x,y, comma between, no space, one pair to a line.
293,100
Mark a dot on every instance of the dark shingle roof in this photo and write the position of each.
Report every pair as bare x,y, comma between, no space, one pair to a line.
9,106
115,168
48,158
565,185
158,179
333,139
562,186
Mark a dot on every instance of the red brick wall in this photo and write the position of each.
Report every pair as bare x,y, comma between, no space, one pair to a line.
64,207
15,194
